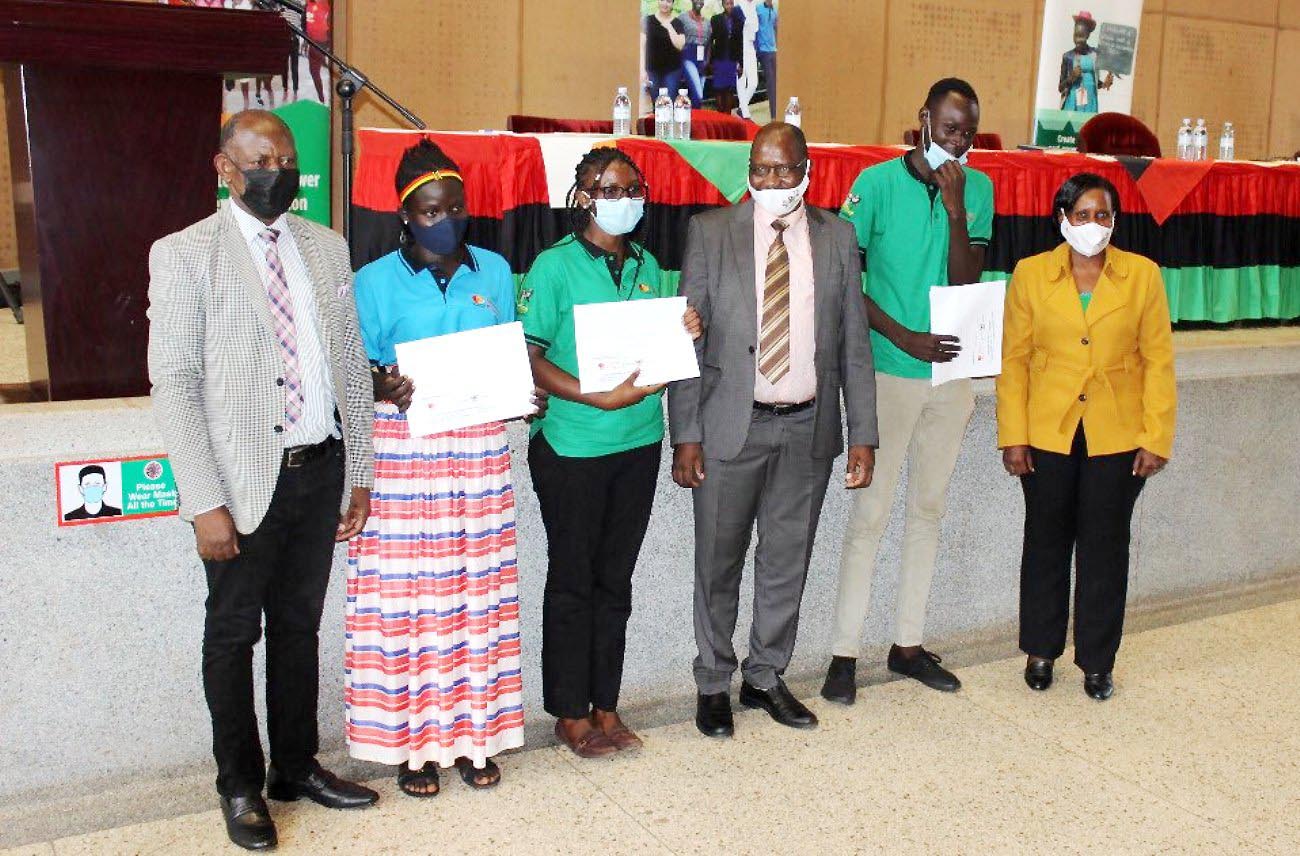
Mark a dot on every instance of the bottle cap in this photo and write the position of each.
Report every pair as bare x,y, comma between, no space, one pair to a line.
681,92
622,90
663,90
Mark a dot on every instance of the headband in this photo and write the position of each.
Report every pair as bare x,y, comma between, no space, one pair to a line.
436,175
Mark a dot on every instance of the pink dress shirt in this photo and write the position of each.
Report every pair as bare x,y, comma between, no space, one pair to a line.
800,382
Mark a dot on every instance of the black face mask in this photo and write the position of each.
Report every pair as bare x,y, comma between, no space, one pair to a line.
268,193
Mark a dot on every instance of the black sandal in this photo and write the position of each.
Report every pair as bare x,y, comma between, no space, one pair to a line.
470,774
408,780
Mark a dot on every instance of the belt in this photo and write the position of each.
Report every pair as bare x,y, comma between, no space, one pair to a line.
784,409
297,456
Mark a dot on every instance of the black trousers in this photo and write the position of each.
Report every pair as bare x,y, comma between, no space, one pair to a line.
282,571
595,511
1081,505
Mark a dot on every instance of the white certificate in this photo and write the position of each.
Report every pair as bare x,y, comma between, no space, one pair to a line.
972,313
616,339
464,379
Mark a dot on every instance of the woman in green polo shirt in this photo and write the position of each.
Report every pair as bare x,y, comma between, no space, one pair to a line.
594,457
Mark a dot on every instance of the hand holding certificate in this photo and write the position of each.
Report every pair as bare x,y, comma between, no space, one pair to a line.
468,378
972,313
617,339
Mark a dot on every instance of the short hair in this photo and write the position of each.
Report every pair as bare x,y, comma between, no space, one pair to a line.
785,128
233,124
423,157
1078,184
947,86
90,471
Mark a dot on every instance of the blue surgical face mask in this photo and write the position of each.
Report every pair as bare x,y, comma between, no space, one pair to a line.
618,216
442,238
935,154
92,493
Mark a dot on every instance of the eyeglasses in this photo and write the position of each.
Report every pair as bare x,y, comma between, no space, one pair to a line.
784,170
266,162
614,191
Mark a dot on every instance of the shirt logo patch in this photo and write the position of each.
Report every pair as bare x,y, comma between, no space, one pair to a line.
645,289
478,299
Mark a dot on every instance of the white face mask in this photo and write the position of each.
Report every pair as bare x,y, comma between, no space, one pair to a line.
935,154
618,216
1088,239
780,201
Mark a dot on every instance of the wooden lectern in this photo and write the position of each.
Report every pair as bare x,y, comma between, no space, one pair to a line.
113,110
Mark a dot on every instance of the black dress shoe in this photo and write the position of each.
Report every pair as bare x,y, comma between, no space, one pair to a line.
320,786
713,715
1100,686
248,822
925,668
1038,673
779,704
841,681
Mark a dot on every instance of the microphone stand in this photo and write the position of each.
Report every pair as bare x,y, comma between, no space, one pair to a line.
351,81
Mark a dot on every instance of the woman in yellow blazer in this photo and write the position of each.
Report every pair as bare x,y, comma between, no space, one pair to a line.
1086,404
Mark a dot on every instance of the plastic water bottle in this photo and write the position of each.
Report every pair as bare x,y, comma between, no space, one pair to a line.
793,112
1201,141
622,113
682,116
1227,143
663,115
1185,140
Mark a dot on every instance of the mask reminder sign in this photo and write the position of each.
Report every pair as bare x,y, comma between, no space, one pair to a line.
114,489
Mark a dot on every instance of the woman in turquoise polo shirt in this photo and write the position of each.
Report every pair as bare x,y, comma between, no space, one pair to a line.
594,457
431,654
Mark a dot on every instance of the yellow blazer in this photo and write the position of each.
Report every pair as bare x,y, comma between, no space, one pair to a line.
1112,367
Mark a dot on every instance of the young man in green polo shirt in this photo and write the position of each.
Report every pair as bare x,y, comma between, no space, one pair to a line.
922,220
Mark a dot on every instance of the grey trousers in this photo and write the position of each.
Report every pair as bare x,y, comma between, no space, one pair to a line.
776,481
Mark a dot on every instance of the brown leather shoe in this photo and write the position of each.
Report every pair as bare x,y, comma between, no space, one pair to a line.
592,744
623,738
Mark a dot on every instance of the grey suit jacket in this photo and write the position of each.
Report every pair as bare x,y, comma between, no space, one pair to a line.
214,362
718,279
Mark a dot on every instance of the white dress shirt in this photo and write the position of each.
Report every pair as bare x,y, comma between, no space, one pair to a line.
317,421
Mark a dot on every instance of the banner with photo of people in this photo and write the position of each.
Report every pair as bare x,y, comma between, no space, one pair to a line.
300,95
722,52
1085,67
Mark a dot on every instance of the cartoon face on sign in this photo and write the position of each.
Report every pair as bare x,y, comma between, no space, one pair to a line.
96,491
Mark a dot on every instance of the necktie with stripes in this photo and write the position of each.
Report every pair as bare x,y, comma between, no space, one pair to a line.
286,333
774,332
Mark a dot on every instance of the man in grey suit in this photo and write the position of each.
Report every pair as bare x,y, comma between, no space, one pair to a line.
778,286
263,394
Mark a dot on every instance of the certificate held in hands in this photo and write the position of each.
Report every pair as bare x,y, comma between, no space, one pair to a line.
616,339
469,378
972,313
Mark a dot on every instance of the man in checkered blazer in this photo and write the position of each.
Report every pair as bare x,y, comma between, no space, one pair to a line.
263,394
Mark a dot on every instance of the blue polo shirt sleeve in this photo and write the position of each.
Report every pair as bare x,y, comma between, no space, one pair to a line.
979,207
541,301
367,286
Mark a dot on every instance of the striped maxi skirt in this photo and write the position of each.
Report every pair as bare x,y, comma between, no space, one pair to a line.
431,651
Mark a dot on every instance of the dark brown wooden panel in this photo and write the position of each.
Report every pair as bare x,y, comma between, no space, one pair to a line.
109,34
117,161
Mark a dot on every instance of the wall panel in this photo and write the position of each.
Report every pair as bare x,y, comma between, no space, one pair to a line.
991,45
1284,130
1247,11
834,60
1219,71
454,63
575,54
1146,74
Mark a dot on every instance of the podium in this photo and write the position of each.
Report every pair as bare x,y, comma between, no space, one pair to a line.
113,111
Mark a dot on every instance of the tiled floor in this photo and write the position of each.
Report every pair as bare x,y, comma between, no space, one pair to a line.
1198,752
